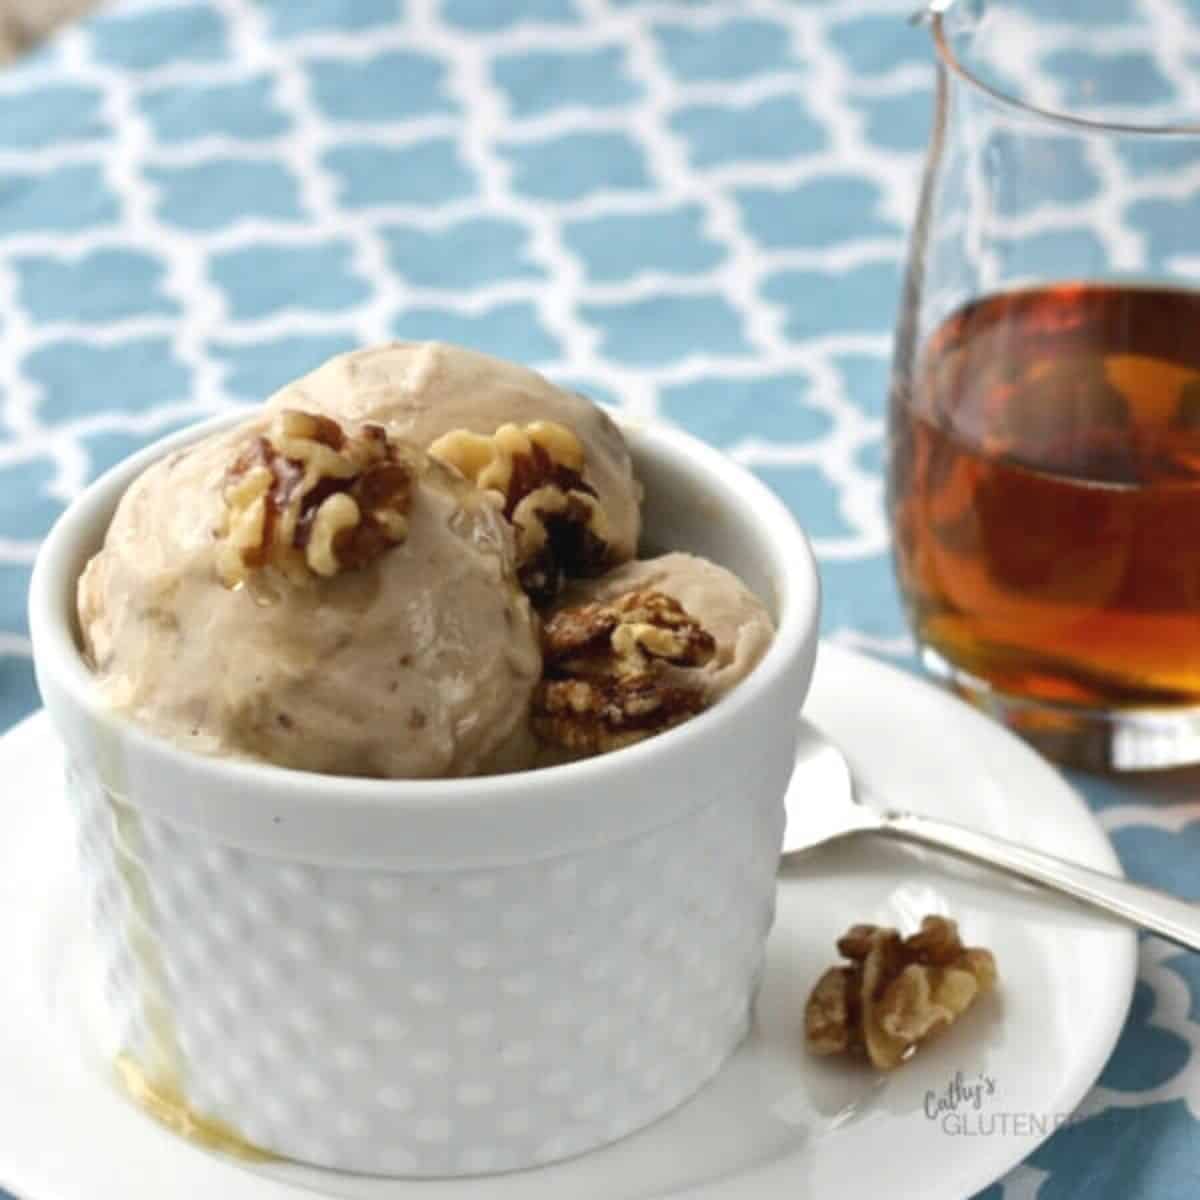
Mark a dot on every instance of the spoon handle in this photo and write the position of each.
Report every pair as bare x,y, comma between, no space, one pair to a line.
1171,918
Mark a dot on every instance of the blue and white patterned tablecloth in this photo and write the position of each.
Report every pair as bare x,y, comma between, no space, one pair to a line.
695,210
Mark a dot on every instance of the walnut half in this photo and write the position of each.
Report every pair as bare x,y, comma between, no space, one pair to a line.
308,498
605,683
535,472
895,993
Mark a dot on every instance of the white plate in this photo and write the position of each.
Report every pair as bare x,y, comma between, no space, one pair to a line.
776,1124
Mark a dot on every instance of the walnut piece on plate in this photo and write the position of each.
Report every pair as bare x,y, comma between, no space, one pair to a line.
535,473
894,993
309,498
606,681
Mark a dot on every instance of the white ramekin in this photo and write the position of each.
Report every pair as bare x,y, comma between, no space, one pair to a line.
448,977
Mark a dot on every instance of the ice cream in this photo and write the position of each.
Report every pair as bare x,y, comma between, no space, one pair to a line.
318,595
575,515
715,598
350,581
641,649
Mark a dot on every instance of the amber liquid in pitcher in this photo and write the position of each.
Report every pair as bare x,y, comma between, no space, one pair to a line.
1045,493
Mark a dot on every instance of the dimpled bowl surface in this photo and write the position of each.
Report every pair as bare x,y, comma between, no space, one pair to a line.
441,1022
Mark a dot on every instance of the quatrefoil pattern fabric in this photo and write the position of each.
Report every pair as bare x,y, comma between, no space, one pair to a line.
692,209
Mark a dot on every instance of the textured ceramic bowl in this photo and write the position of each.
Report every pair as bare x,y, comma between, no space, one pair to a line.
447,977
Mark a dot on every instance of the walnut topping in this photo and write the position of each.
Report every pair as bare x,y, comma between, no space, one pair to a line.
594,716
309,498
605,685
623,635
535,473
895,993
497,462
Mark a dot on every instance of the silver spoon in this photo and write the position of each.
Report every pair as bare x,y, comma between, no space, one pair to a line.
833,810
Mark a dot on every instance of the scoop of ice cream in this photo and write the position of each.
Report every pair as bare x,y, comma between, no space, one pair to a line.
716,599
577,507
318,595
641,649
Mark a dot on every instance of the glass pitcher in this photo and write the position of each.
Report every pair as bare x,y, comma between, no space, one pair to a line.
1044,439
